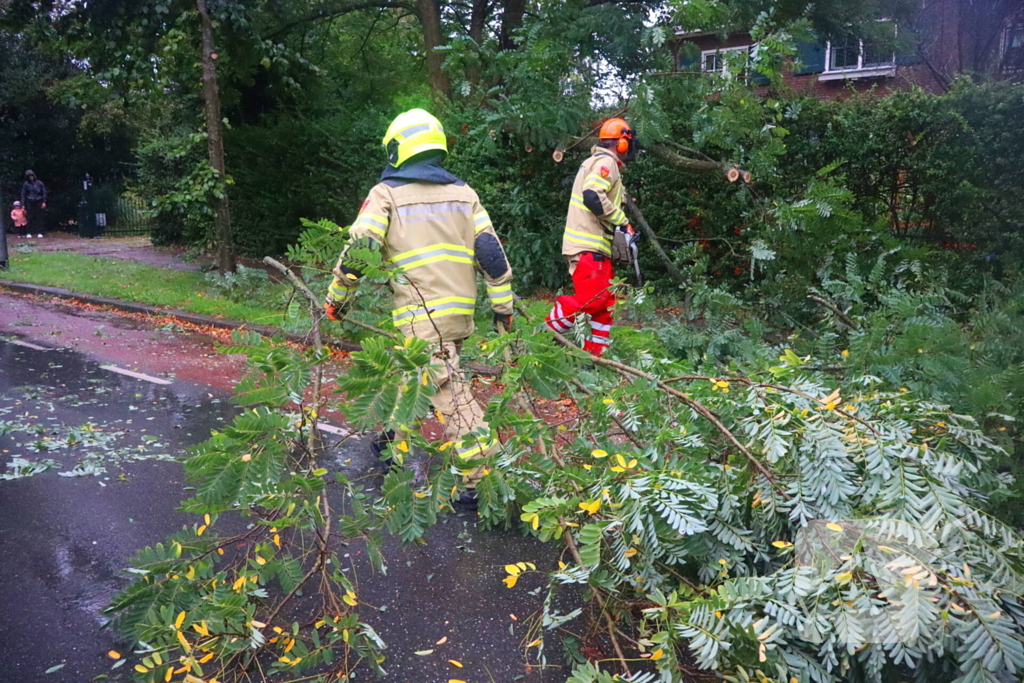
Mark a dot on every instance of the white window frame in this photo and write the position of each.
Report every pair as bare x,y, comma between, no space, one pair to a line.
721,51
860,71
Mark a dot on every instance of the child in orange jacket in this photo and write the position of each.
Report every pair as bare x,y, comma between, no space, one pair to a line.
19,217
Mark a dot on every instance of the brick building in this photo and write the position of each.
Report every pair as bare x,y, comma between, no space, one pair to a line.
948,38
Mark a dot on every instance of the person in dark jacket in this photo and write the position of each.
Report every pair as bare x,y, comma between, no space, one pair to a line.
33,198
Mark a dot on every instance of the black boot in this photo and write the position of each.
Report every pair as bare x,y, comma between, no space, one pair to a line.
467,500
381,444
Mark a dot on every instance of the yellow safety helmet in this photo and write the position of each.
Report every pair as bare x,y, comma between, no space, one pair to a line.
411,133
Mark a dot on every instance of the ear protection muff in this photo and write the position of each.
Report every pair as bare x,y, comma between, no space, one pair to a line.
622,146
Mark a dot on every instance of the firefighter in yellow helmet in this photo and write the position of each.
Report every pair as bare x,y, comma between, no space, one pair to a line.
432,226
596,235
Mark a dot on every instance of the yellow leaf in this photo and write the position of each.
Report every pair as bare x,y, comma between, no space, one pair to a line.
833,526
180,620
258,624
421,494
513,569
592,507
200,530
442,641
782,544
345,635
206,518
455,680
114,654
598,453
622,461
618,469
239,582
184,643
350,599
426,378
158,658
762,655
631,464
141,669
191,573
207,657
201,629
844,578
403,446
220,551
168,674
535,643
260,561
658,654
424,653
320,472
510,581
277,540
454,662
290,645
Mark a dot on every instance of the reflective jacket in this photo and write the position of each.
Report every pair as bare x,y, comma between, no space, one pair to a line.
440,236
595,207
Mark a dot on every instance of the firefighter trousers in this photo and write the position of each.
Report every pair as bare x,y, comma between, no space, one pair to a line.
591,278
461,416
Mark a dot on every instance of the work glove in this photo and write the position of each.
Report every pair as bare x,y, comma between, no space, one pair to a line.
503,322
334,311
624,244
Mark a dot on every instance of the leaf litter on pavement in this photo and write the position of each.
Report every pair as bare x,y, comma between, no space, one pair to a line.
39,443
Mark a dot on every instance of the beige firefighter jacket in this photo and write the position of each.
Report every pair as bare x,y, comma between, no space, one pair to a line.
585,231
431,233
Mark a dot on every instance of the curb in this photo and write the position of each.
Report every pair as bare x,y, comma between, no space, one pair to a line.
197,318
146,309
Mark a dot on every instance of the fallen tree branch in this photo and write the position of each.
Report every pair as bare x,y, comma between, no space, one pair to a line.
847,320
570,542
697,406
669,265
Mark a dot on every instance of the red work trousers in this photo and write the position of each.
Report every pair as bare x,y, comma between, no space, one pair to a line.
591,278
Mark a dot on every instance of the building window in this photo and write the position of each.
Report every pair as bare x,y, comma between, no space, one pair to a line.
857,58
716,61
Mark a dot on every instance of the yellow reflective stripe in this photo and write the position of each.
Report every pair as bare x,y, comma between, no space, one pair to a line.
577,201
434,302
477,450
599,242
427,260
434,313
617,217
501,294
597,181
433,247
338,289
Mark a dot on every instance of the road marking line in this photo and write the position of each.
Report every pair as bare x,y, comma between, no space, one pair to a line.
29,345
331,429
136,375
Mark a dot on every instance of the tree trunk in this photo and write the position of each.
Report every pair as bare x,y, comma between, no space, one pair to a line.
477,22
215,143
511,20
430,18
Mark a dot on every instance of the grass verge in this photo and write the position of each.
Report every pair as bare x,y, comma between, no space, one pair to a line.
130,281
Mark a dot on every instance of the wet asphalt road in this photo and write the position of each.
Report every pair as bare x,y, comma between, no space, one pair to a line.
65,539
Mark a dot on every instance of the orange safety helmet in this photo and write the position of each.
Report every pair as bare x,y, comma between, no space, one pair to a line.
618,129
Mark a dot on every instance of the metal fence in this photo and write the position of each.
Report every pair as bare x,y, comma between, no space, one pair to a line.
128,217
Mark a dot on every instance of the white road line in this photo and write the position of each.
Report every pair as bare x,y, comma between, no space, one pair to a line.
136,375
331,429
29,345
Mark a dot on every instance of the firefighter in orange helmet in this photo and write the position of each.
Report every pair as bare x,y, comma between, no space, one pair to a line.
596,235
